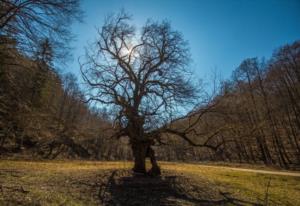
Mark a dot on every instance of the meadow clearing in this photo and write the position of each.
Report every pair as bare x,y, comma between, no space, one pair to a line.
112,183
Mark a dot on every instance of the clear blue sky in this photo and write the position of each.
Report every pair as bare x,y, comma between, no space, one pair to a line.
221,33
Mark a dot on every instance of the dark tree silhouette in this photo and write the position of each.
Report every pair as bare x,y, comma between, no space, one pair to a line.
145,77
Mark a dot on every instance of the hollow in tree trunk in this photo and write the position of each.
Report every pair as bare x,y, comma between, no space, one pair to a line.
155,170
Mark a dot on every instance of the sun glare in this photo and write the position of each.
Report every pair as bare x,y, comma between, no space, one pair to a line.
130,50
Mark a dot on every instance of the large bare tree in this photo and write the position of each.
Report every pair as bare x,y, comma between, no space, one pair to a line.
144,77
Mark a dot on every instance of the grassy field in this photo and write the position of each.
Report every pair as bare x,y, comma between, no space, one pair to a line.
111,183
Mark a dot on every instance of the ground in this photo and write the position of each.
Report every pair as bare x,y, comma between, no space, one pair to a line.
112,183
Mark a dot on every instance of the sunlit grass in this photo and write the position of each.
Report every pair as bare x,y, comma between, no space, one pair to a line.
48,181
283,189
62,165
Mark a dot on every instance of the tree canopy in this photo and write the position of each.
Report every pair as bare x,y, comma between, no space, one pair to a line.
144,76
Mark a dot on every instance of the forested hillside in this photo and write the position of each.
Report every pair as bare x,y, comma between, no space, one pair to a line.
44,112
255,116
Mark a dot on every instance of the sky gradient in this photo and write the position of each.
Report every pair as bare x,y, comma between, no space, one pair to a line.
221,33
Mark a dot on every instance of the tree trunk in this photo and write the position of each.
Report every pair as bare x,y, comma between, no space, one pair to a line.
142,150
139,151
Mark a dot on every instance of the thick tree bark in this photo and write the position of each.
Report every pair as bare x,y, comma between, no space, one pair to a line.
142,150
139,151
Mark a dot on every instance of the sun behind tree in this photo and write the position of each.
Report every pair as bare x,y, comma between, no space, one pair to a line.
143,76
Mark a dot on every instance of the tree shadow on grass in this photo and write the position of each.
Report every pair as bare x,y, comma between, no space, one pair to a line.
166,190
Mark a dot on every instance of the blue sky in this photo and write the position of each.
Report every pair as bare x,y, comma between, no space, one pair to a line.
221,33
